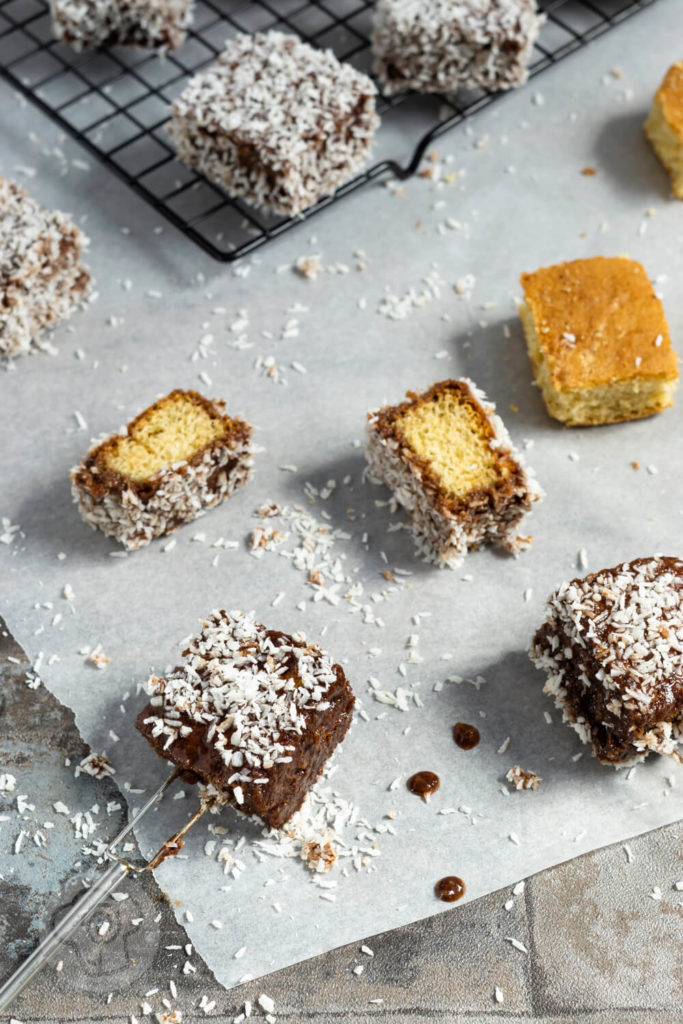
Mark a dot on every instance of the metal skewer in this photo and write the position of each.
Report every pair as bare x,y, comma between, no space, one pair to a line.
94,895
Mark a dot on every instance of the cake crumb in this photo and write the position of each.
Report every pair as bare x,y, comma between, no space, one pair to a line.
98,658
520,778
319,855
309,267
97,765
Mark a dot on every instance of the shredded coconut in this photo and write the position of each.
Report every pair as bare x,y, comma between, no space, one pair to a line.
251,121
445,45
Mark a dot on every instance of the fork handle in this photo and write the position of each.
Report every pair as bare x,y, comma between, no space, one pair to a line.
86,903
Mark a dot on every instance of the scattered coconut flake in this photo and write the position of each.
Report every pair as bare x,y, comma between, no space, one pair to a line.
266,1003
8,783
97,765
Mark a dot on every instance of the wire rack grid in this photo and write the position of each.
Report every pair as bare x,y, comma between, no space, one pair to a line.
117,102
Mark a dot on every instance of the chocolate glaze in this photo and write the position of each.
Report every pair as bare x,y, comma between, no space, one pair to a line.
423,783
277,800
94,475
170,848
450,888
466,736
612,734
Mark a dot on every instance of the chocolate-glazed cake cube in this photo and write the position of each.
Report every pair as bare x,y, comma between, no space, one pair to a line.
253,712
179,457
147,24
612,649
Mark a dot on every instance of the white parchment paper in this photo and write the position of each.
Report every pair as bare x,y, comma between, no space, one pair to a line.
519,201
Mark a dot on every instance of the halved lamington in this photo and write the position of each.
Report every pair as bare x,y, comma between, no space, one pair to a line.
450,462
612,650
446,45
42,278
147,24
251,711
178,457
276,122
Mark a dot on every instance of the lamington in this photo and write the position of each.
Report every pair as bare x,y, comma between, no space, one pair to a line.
598,341
251,711
448,459
147,24
664,126
276,122
180,456
42,278
612,649
446,45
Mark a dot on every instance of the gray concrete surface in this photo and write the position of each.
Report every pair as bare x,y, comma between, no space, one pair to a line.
601,950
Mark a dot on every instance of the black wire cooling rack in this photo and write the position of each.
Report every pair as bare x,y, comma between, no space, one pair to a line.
116,102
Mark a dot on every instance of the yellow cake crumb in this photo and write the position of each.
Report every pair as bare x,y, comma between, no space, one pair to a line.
171,431
452,435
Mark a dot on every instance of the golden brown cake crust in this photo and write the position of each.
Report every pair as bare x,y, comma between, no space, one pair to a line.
669,96
96,476
598,321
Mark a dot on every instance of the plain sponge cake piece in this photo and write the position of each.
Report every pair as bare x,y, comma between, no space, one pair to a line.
664,125
598,341
449,460
180,456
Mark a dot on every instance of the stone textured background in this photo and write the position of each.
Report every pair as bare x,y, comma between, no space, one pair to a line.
600,949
